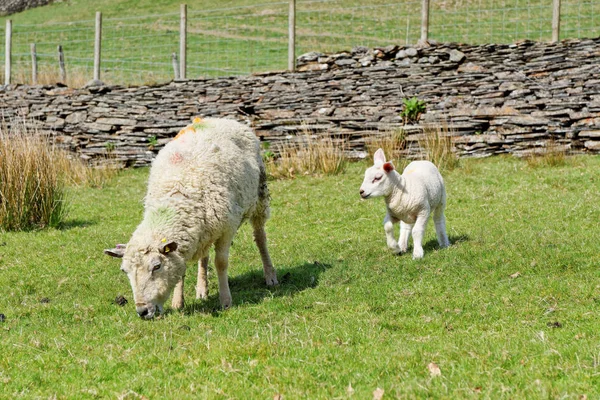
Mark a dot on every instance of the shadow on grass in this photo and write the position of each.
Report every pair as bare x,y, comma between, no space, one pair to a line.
250,288
454,239
75,223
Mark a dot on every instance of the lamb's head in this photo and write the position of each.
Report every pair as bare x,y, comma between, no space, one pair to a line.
153,270
378,180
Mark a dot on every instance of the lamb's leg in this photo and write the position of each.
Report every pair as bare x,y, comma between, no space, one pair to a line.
418,232
221,264
260,237
388,227
202,284
405,230
177,302
440,226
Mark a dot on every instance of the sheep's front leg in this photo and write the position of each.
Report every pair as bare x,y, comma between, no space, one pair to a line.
202,284
177,302
418,232
388,227
221,264
405,230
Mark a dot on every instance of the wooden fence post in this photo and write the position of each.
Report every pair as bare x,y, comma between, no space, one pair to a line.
61,65
8,51
97,46
425,21
183,41
556,21
292,36
175,66
33,64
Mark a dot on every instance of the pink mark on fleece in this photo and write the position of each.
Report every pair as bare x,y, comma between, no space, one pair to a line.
176,158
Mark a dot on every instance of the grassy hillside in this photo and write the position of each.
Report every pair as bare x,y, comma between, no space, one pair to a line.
243,36
508,311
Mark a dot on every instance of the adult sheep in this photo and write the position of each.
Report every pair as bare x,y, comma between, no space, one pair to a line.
202,186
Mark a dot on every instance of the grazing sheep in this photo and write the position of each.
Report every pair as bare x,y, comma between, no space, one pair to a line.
410,198
203,185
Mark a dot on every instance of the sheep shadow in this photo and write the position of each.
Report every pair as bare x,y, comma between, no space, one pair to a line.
250,287
75,223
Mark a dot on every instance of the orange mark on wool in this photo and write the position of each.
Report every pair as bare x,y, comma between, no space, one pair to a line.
187,129
196,124
176,158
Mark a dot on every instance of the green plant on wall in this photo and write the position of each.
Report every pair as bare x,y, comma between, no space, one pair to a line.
109,146
267,154
152,142
413,109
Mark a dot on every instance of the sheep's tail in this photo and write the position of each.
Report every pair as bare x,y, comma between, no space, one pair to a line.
264,199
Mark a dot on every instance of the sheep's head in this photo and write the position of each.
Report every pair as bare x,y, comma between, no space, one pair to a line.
377,180
153,270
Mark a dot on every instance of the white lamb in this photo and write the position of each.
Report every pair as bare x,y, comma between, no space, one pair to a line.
202,186
410,199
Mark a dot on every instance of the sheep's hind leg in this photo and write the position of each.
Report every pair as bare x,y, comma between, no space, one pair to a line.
405,230
202,284
177,301
260,237
221,263
440,226
388,227
418,232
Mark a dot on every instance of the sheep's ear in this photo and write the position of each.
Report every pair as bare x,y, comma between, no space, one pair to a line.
118,251
388,167
168,248
378,157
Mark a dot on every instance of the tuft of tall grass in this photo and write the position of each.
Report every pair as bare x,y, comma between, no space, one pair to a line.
312,155
32,185
391,142
47,75
34,177
552,155
436,143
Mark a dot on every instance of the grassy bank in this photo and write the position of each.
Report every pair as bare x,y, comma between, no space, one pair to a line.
510,310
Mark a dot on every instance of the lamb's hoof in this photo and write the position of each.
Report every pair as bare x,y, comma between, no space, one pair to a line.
396,250
202,294
418,254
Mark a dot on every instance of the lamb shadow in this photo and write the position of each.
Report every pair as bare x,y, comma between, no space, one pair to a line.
454,239
250,287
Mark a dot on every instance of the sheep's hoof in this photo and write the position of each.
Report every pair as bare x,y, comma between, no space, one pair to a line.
178,305
225,302
272,281
202,294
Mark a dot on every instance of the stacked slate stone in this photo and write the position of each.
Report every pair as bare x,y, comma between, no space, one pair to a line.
516,98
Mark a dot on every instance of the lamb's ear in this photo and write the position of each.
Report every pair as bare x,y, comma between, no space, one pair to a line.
378,157
118,251
168,248
388,167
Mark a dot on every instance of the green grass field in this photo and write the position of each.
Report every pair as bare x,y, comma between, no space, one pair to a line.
238,37
510,310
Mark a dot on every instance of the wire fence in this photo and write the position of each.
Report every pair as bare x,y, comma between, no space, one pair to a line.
243,40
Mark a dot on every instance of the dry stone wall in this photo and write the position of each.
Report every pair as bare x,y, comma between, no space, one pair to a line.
495,98
14,6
